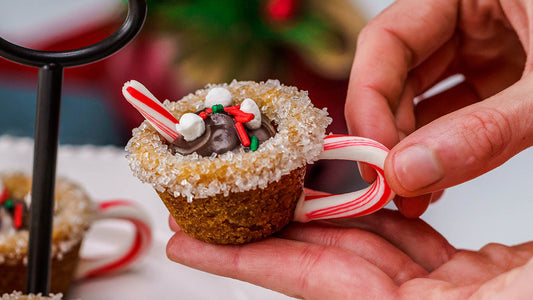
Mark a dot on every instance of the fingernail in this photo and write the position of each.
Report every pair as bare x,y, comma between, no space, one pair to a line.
417,167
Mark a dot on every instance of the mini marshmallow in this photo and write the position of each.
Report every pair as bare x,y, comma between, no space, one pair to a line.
218,95
191,126
249,106
27,199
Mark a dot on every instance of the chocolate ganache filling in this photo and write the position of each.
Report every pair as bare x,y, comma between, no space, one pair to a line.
221,136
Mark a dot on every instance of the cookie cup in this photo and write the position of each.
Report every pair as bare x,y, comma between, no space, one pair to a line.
240,197
72,215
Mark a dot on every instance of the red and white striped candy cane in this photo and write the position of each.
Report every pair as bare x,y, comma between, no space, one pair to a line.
125,210
358,203
151,109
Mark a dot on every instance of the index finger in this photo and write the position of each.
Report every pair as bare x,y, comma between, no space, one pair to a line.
295,268
392,44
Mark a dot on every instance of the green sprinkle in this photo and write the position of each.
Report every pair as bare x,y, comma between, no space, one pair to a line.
217,108
9,204
254,143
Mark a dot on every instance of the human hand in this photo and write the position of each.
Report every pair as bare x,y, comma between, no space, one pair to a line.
458,134
379,256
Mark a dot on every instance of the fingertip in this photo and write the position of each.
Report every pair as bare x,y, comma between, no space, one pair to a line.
184,249
412,207
398,202
436,196
413,168
367,172
172,224
173,246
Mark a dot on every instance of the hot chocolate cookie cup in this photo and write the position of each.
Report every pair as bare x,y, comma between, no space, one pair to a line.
235,197
72,214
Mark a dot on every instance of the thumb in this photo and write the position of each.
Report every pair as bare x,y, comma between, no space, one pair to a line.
463,144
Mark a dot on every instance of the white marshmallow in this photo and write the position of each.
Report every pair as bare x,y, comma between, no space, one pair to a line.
218,95
249,106
191,126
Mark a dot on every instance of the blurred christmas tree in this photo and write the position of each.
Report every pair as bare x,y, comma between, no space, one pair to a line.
218,41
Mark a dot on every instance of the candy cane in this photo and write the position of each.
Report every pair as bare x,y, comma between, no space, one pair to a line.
127,211
358,203
151,109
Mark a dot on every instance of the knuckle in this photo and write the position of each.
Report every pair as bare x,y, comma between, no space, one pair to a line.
495,250
407,271
444,251
466,257
487,134
504,256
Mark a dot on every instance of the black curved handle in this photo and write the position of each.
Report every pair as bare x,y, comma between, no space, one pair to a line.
51,64
76,57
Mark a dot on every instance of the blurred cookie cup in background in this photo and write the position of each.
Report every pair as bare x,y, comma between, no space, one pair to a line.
74,212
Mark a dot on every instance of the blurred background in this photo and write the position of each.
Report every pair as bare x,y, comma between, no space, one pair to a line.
183,46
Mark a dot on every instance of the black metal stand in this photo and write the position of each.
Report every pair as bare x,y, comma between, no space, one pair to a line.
51,66
44,170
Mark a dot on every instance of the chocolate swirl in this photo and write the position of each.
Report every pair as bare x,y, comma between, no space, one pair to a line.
220,136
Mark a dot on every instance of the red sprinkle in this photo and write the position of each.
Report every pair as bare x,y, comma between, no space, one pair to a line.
203,115
244,118
230,110
245,141
4,195
208,110
234,107
241,116
17,215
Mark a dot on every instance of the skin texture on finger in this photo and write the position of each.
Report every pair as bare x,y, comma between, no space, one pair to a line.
464,144
414,237
374,249
294,268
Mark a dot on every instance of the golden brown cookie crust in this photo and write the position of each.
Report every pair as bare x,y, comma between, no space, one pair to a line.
239,217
